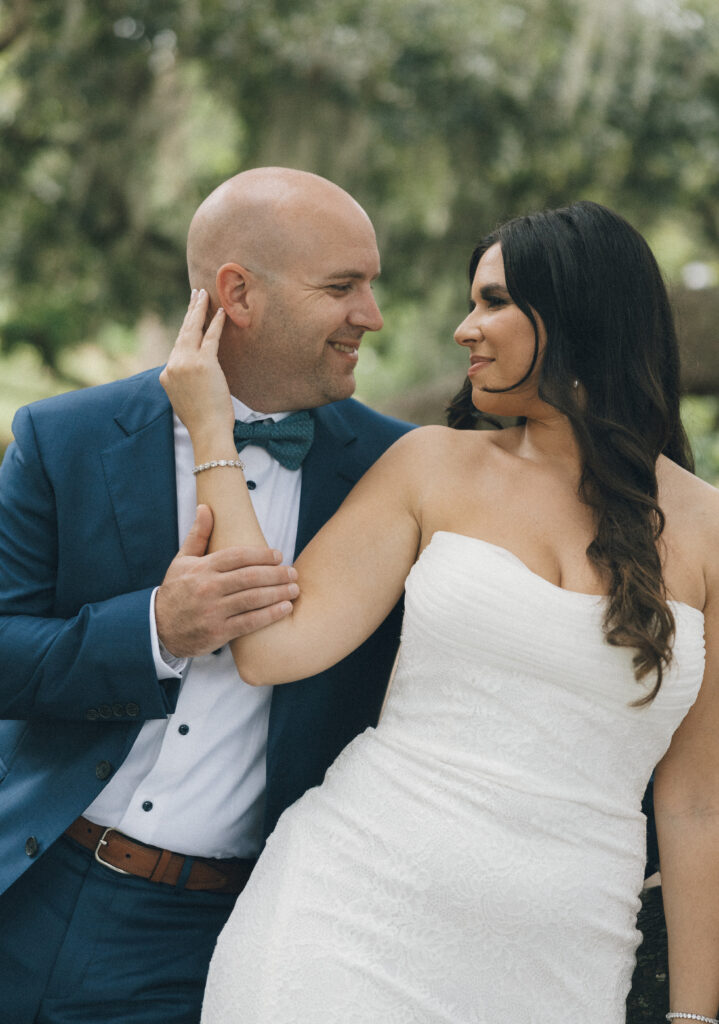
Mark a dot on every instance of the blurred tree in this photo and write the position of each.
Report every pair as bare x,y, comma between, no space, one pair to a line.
441,116
98,186
76,246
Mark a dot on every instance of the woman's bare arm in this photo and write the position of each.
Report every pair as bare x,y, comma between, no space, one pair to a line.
351,574
686,800
350,577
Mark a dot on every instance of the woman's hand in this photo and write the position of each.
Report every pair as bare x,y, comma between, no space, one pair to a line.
193,378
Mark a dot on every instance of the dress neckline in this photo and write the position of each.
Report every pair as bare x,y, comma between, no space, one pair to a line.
596,598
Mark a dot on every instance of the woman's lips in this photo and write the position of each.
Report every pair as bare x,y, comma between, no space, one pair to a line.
477,363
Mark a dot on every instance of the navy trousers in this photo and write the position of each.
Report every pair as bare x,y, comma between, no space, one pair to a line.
81,944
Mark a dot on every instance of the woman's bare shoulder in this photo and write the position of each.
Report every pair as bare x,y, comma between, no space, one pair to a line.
432,465
687,497
691,508
437,442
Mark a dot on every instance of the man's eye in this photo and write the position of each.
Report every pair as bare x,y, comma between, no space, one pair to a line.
341,289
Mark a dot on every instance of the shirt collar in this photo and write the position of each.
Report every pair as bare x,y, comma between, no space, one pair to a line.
247,415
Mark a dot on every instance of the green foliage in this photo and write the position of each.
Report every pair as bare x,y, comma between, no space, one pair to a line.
441,116
96,202
701,419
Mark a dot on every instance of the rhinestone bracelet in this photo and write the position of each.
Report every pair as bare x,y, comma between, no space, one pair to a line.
236,463
691,1016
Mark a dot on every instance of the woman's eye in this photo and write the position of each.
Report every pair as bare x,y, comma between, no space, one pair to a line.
494,301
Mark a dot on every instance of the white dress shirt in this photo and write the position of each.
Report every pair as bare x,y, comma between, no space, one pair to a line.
195,781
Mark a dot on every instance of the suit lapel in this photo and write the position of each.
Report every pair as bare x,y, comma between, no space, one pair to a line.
332,467
139,471
329,472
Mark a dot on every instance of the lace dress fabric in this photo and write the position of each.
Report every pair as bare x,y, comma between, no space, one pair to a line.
477,858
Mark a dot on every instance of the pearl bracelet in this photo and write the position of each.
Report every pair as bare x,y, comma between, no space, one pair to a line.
236,463
691,1016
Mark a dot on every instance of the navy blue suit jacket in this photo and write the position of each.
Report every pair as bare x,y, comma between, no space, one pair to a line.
88,527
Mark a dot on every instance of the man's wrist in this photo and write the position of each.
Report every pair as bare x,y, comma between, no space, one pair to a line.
167,665
170,659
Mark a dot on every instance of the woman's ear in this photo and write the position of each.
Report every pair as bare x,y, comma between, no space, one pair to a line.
235,293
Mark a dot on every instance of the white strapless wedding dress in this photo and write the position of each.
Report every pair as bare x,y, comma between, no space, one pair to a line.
477,858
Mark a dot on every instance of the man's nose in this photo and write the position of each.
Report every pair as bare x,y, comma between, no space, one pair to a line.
367,314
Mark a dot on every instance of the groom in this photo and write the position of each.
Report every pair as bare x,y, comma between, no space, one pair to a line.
140,775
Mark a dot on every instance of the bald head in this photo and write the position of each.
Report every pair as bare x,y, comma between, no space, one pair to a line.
265,219
291,259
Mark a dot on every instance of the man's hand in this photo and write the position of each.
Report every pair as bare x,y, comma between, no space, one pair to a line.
207,600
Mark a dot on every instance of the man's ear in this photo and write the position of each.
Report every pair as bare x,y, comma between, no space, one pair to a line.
237,293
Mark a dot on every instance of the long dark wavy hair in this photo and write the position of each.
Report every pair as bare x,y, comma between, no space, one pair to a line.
594,282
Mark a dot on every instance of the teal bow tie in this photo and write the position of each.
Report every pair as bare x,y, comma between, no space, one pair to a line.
288,441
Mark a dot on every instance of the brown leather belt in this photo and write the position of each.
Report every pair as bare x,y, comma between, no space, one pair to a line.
120,853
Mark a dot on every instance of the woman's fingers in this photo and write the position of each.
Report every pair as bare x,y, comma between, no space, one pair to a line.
210,343
193,378
189,338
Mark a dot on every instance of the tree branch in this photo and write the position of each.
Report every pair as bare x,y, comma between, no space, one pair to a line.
16,24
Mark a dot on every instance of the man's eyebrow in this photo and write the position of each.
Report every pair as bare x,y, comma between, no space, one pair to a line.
353,275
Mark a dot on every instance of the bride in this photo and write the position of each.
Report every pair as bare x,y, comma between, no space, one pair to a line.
478,856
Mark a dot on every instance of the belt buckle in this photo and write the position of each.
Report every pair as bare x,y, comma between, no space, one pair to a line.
103,842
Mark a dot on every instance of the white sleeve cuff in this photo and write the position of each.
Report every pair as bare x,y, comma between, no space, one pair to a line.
167,665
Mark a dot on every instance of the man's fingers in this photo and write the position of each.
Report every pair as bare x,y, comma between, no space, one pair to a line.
255,577
260,597
196,541
230,559
249,622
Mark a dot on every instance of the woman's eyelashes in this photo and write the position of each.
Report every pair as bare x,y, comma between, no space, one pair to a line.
492,300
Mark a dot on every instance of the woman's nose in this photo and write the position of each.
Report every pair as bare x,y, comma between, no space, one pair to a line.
468,331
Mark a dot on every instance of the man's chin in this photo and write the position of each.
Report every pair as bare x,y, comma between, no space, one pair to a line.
347,389
337,390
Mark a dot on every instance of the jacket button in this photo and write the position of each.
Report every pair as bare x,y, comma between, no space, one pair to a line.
31,846
118,710
132,709
105,711
91,714
103,770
